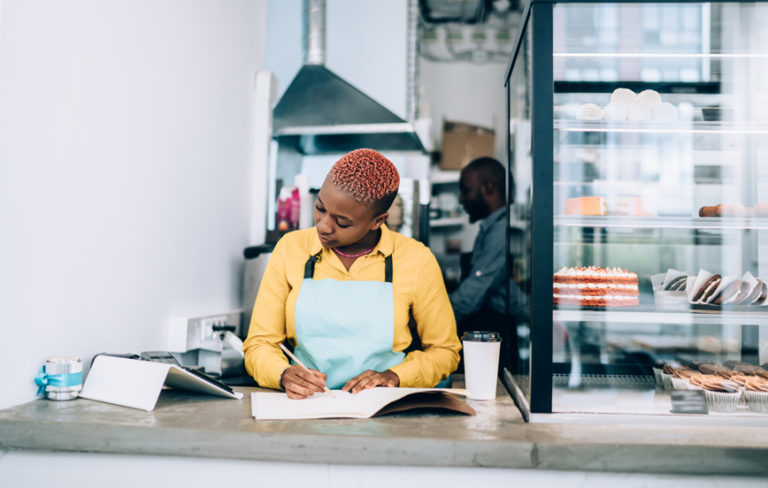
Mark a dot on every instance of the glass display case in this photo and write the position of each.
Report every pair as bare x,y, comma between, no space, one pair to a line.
638,141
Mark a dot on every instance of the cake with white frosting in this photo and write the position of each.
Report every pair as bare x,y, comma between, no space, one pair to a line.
595,286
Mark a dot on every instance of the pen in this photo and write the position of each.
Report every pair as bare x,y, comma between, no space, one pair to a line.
290,355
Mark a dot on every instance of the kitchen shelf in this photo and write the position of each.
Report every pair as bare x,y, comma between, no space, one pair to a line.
448,222
443,176
662,317
518,224
628,222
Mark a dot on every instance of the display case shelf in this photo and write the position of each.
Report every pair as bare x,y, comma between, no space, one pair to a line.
697,223
663,317
662,128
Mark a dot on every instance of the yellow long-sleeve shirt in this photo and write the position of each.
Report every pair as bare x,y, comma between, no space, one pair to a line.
417,286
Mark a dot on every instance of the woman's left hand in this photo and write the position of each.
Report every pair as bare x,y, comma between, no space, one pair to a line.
370,379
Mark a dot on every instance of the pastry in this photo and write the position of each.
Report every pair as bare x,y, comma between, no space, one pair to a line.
709,344
684,373
756,394
741,293
670,368
590,111
724,210
664,112
713,383
698,379
727,292
722,395
678,284
639,112
758,295
595,287
707,288
739,378
616,111
731,210
746,368
726,373
586,206
648,97
755,383
623,96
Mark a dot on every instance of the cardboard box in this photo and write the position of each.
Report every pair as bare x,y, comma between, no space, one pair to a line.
463,142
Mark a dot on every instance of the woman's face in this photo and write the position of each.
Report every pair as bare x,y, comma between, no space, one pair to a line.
340,220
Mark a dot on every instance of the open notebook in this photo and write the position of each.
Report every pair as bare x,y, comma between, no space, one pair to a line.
366,404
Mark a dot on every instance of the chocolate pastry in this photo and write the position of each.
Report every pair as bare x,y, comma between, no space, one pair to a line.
709,288
727,292
746,368
700,292
718,384
726,373
677,284
711,368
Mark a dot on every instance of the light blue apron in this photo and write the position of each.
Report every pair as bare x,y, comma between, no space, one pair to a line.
345,327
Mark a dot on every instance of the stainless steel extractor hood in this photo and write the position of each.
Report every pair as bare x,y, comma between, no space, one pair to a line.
322,113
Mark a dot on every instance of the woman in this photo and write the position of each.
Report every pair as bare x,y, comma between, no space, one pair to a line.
343,293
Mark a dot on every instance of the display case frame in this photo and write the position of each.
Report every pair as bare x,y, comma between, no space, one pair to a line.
534,48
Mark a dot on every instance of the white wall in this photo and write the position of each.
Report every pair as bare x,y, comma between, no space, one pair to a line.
465,92
124,171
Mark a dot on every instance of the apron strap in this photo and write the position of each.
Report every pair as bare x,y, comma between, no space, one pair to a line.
388,269
309,267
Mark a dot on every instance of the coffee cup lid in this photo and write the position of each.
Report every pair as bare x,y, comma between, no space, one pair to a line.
482,336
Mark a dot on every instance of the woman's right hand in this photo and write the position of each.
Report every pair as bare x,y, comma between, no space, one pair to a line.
300,383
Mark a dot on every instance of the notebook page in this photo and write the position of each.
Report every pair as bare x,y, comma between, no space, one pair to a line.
273,406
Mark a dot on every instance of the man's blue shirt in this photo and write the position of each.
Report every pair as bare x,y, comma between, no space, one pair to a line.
484,285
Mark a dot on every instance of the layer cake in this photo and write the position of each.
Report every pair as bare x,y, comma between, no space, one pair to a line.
595,286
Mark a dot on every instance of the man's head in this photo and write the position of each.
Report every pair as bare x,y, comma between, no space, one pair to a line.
355,197
482,186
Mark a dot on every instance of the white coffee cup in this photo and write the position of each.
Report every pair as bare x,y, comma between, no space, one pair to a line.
481,363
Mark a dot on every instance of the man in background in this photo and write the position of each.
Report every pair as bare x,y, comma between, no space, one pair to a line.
481,300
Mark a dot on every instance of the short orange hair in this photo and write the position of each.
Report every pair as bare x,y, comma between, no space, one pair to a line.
368,177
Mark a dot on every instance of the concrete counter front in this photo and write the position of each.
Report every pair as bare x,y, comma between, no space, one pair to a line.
206,426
